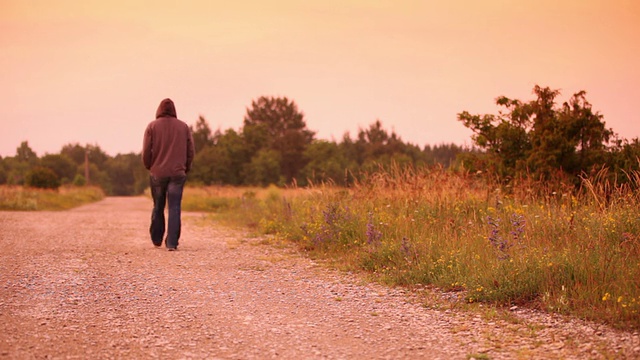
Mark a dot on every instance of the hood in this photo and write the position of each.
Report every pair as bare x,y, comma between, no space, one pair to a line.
166,108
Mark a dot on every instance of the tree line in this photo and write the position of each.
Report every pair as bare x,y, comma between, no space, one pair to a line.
78,165
536,139
274,146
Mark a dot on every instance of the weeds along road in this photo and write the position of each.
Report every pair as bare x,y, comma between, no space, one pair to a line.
87,283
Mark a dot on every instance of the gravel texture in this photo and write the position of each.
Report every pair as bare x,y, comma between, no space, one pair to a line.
87,283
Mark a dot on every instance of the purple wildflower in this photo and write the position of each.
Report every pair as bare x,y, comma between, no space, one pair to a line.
373,235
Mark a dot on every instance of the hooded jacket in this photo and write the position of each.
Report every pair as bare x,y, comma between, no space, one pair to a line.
167,147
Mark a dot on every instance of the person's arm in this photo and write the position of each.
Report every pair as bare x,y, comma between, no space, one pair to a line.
191,150
147,143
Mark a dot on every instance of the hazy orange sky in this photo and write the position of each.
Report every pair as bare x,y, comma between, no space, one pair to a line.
95,71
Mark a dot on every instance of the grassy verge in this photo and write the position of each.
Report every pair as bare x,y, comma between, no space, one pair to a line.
238,206
30,199
561,252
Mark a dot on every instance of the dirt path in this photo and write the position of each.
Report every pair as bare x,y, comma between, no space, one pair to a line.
87,283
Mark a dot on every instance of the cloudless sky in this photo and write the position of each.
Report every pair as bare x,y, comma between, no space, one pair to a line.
94,71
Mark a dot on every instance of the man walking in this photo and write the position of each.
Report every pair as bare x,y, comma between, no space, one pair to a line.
167,152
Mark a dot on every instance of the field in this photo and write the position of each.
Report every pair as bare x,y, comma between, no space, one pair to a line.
30,199
564,250
571,251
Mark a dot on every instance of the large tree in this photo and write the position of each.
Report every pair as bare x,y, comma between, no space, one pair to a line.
126,175
222,162
375,146
540,138
202,136
275,123
24,153
75,152
326,163
588,131
62,165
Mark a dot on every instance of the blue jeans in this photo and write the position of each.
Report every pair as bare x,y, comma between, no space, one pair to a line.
161,189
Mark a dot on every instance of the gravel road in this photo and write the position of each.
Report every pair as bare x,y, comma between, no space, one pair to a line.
87,283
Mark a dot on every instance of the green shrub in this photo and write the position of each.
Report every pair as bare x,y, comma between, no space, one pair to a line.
42,178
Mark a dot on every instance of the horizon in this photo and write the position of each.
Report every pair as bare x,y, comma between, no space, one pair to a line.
213,130
94,73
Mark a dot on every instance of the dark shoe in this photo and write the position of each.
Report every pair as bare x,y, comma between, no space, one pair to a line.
172,249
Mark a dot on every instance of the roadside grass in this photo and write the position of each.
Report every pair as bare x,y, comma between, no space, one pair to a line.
562,251
238,206
20,198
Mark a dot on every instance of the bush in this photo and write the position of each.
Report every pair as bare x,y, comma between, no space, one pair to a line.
79,180
43,178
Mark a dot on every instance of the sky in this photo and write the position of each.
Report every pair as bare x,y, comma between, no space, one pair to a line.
94,72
